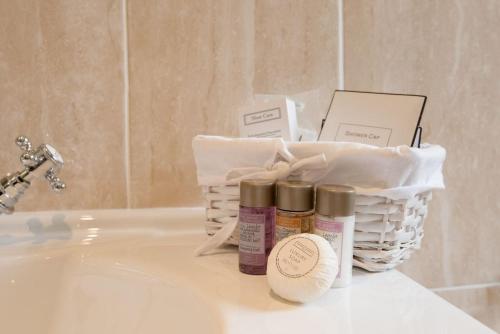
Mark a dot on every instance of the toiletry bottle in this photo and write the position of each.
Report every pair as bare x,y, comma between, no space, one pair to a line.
334,221
256,225
294,208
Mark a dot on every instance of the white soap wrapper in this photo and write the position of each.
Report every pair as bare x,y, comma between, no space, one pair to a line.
302,267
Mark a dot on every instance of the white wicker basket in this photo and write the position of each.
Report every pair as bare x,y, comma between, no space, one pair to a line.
386,231
393,184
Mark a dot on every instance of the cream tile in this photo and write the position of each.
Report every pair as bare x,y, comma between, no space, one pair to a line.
192,64
481,303
296,52
448,51
61,69
191,67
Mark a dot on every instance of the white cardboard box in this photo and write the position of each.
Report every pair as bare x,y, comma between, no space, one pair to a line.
271,116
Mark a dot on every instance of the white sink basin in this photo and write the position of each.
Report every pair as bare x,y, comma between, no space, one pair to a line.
93,294
80,285
132,271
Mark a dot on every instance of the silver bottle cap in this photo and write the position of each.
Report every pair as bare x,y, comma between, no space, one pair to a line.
335,200
294,196
257,193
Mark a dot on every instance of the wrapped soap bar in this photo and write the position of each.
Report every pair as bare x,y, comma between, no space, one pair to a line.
302,267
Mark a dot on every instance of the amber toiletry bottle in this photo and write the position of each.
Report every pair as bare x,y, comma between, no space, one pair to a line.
295,208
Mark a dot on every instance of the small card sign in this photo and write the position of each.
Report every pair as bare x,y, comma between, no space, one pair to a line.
378,119
272,116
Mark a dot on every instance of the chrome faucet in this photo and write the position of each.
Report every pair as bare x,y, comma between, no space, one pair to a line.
42,161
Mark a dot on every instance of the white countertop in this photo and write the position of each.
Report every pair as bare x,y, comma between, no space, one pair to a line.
133,271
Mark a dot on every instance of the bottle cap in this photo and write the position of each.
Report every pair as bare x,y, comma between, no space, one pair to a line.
335,201
294,196
257,193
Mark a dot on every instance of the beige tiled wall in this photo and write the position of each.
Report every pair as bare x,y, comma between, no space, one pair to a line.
121,86
193,64
449,51
296,52
100,79
481,302
62,83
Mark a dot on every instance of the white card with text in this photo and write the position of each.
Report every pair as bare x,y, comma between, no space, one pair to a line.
378,119
272,116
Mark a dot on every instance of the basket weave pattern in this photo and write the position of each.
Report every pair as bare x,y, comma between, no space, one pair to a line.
386,231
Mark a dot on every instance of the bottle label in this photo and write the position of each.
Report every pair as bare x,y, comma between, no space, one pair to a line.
252,246
286,226
297,257
333,232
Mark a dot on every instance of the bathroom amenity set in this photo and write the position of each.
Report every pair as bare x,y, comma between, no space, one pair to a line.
258,230
374,221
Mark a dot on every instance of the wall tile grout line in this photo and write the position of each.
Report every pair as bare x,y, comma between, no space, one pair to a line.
340,42
466,287
126,92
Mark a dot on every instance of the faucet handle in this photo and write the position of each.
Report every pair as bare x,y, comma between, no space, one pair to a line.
55,182
28,158
35,157
42,161
23,143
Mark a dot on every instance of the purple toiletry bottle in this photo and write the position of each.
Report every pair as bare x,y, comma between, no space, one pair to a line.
256,225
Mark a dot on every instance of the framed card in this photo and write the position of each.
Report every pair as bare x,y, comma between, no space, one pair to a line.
379,119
